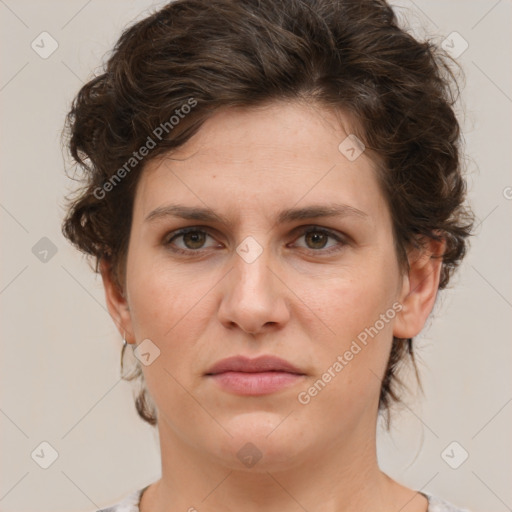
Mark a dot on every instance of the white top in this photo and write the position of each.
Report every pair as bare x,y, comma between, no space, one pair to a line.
131,504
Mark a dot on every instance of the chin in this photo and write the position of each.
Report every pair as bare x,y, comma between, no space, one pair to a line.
261,442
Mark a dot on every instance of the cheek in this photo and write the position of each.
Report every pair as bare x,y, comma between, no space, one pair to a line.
359,308
174,309
350,364
162,298
171,309
349,303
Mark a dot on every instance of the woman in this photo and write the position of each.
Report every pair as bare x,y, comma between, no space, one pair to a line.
273,199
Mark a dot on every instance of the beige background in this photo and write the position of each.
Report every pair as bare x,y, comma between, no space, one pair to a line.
60,351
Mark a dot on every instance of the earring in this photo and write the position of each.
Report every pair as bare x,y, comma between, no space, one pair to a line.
124,339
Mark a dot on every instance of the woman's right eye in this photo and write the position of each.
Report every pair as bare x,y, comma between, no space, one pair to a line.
192,240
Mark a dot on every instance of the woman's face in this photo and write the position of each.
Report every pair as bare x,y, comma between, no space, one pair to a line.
263,277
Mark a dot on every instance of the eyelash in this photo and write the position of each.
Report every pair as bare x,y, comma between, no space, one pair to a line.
304,231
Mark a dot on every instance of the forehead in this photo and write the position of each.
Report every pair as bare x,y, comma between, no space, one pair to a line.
262,159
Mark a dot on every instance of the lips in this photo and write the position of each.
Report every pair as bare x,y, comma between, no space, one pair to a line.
254,377
258,365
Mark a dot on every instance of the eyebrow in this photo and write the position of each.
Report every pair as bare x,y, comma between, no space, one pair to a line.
285,216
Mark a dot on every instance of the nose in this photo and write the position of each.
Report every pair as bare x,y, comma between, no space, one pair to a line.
254,296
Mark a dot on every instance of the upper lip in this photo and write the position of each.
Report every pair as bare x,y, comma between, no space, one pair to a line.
259,364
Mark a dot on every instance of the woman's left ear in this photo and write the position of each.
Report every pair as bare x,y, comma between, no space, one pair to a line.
419,289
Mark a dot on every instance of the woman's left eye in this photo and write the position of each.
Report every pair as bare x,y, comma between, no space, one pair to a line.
317,239
194,239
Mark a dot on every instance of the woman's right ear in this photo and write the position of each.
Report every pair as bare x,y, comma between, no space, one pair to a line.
117,303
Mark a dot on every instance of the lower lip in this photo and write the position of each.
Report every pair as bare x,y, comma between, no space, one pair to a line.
254,384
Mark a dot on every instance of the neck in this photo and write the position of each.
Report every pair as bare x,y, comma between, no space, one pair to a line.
346,478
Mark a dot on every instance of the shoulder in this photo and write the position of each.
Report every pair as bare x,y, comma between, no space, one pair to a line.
129,504
436,504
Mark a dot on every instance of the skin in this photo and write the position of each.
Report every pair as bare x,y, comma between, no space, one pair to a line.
294,301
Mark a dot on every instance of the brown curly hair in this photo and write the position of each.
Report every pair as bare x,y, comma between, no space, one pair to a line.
339,54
